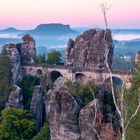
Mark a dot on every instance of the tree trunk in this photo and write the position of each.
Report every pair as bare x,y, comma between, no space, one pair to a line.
123,135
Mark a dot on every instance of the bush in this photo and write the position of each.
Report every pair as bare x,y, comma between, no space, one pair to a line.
16,124
84,92
44,134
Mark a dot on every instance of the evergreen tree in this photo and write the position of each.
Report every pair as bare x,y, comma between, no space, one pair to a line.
54,57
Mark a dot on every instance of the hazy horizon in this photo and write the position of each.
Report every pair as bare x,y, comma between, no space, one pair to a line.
28,14
72,27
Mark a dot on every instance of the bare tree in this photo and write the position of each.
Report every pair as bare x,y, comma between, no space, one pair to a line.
105,8
121,106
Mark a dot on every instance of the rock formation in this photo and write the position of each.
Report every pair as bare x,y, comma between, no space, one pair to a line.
16,98
137,58
68,120
36,108
20,53
62,112
89,49
91,123
11,51
27,49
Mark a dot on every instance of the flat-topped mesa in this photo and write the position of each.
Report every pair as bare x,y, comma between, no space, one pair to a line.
89,50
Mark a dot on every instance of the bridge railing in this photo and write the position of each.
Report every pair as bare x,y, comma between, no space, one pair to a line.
47,66
123,72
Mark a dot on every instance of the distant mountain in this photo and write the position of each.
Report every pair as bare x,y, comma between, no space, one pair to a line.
12,30
52,30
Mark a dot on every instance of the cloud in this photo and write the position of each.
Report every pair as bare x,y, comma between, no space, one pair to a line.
11,36
126,37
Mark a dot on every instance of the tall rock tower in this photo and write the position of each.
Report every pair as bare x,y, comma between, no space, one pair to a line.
21,53
27,49
89,50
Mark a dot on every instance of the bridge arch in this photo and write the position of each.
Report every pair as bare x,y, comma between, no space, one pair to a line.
54,75
117,84
39,72
116,80
30,69
80,77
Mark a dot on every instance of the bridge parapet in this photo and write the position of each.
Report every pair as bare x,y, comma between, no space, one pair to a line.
77,69
48,66
71,73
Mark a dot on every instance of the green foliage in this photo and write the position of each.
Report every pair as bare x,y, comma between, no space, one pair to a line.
28,83
5,79
133,129
44,134
16,124
41,59
13,88
85,92
54,57
108,102
136,78
131,103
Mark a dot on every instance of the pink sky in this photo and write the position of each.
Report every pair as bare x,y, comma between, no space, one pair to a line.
85,13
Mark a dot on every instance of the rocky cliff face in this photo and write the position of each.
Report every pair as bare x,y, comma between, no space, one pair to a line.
11,51
137,58
62,112
89,49
16,98
37,105
20,53
68,120
27,49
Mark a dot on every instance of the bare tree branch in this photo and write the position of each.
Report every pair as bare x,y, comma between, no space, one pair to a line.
105,8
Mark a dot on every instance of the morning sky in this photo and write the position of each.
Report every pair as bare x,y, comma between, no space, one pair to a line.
85,13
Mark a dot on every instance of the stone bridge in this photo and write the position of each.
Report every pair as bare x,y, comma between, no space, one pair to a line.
55,71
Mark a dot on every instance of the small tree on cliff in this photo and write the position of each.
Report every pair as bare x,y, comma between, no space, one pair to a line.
54,57
128,104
